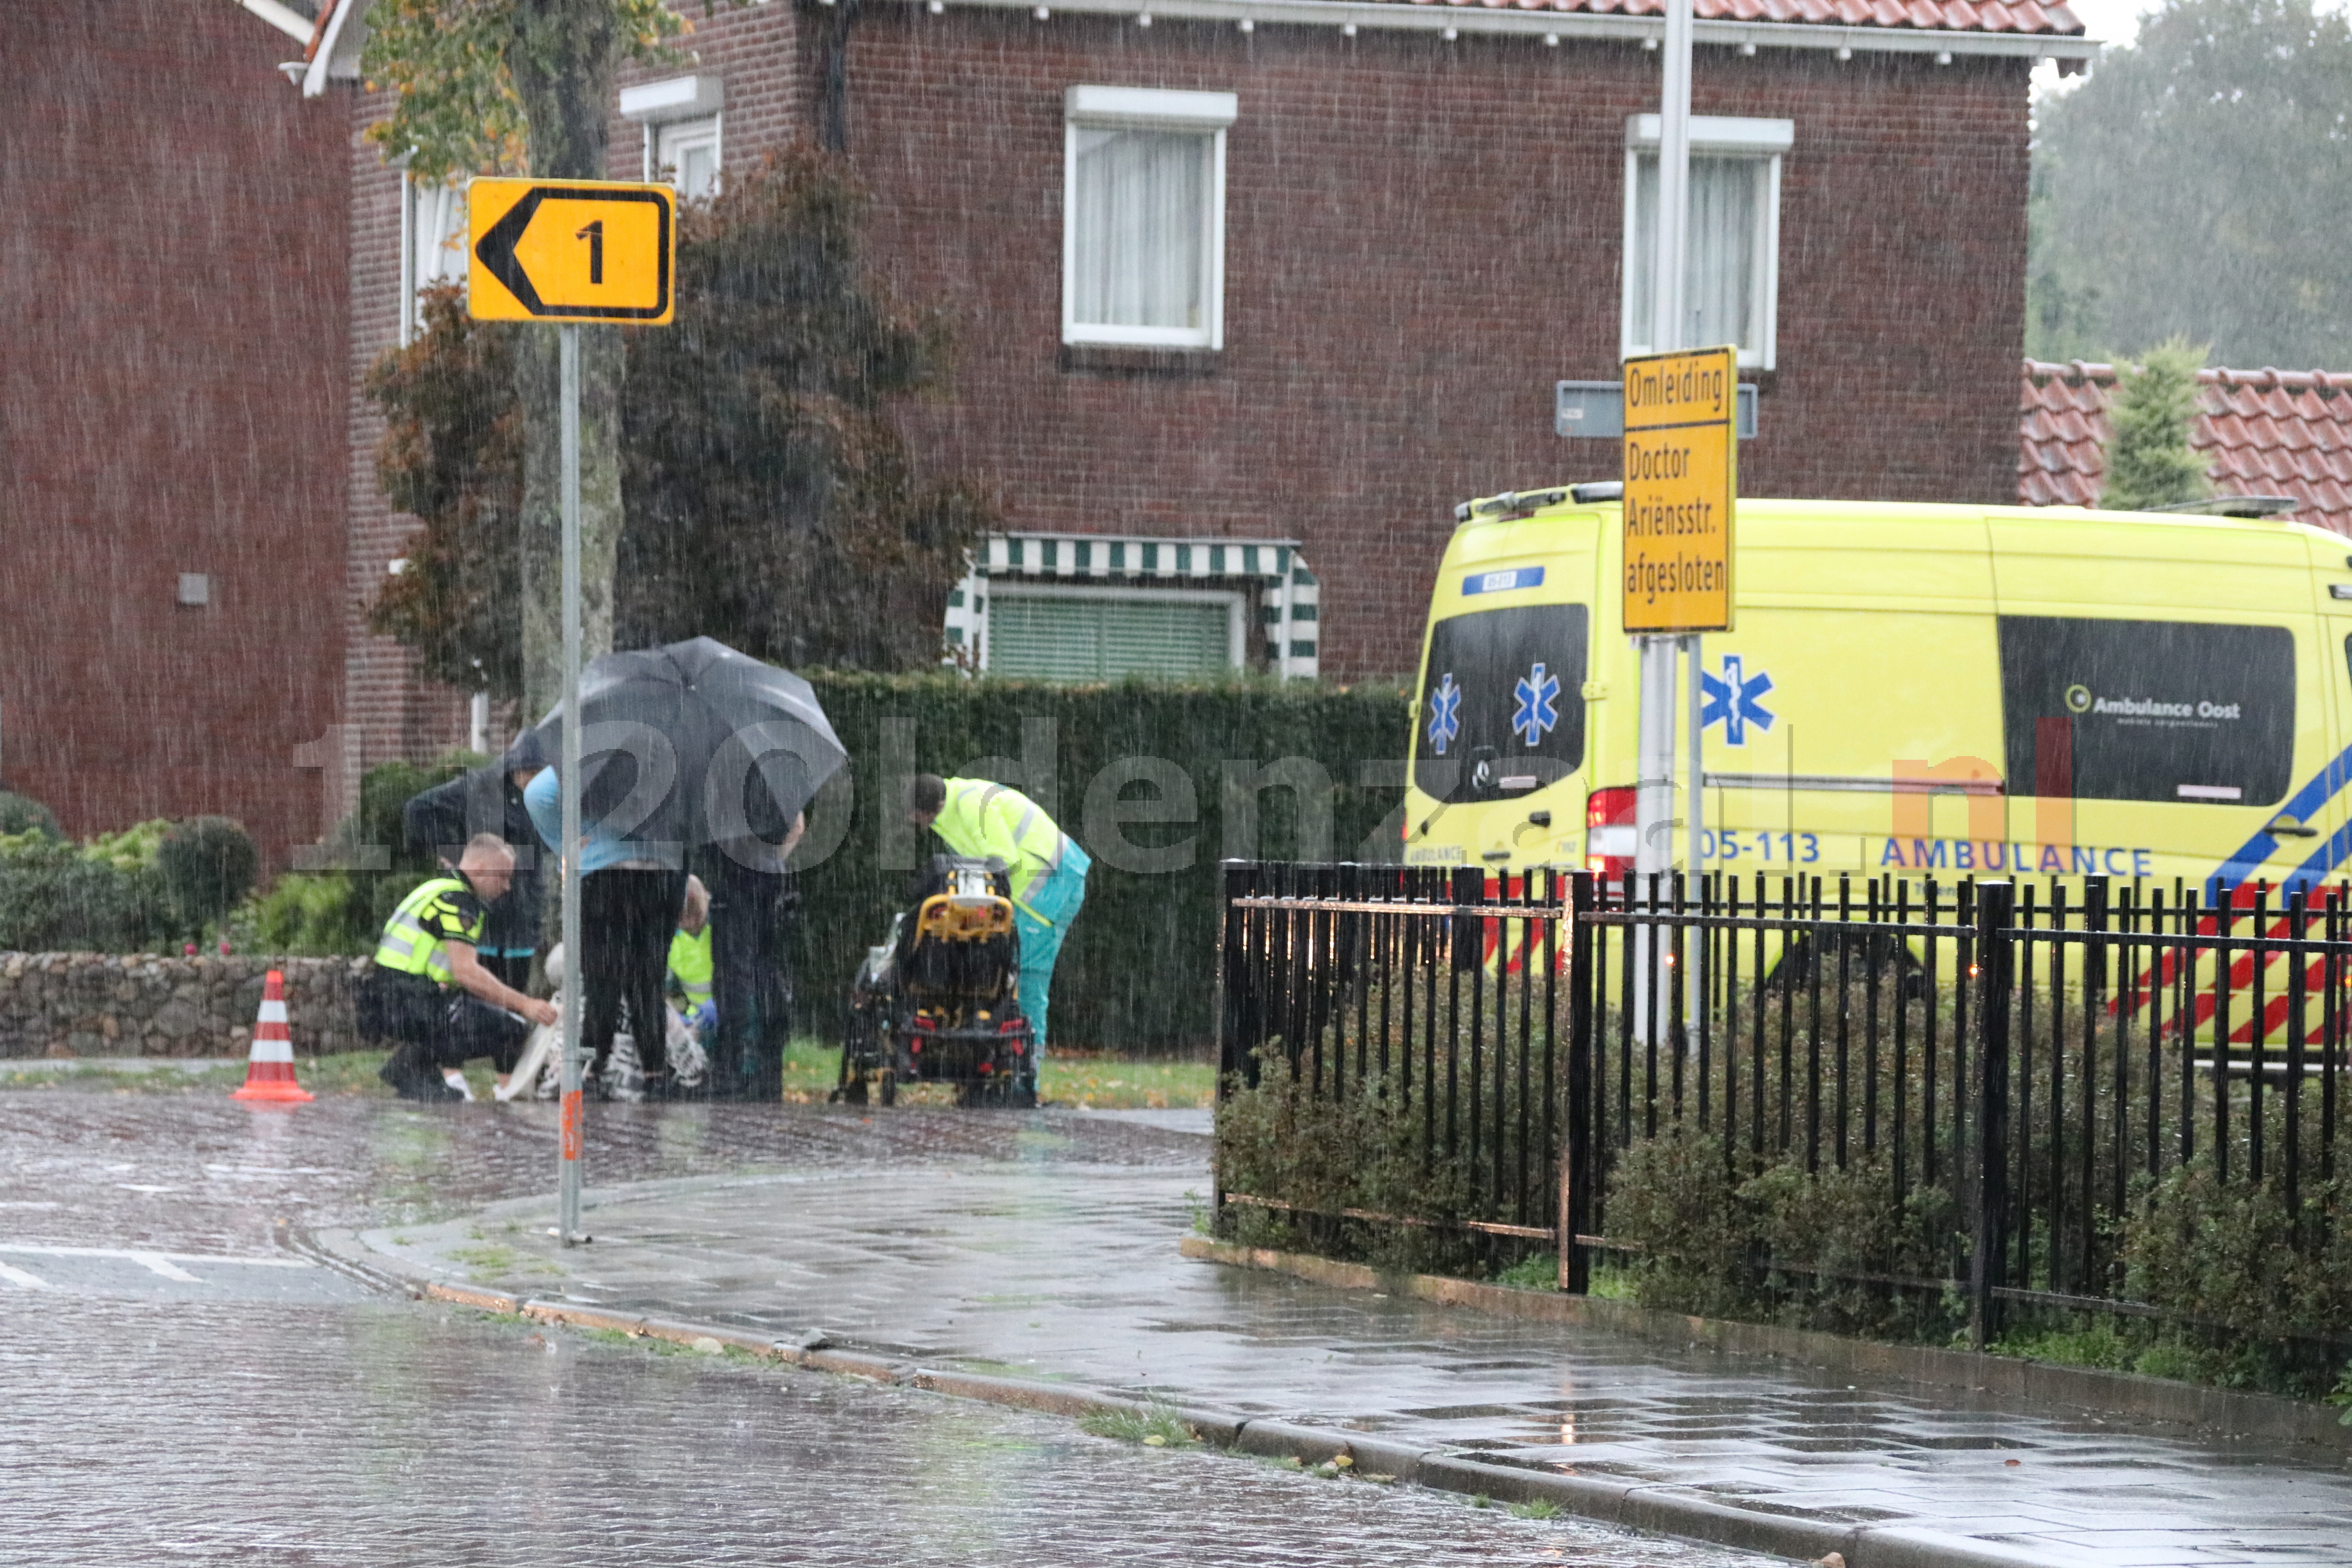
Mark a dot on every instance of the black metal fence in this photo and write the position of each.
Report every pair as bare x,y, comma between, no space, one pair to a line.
2032,1054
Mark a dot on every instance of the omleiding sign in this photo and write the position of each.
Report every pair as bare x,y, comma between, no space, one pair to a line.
1680,476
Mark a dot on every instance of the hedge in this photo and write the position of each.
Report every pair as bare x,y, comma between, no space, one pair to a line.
1137,973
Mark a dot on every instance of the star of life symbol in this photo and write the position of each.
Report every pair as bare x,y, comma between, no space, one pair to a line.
1538,708
1734,702
1444,714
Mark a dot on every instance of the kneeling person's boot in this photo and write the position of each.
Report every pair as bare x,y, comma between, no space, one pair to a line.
412,1074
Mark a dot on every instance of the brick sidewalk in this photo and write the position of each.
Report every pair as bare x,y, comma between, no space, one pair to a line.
1071,1271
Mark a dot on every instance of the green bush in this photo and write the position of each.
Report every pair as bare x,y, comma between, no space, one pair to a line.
2247,1272
1784,1245
305,914
21,814
1138,970
131,848
1275,1140
207,865
55,897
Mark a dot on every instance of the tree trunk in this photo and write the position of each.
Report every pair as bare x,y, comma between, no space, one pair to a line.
561,60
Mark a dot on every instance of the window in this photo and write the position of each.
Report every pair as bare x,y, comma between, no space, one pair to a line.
1066,633
1502,702
1731,263
1143,216
682,120
2169,710
1094,606
687,155
433,243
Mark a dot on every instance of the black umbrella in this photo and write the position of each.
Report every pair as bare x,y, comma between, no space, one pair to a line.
696,743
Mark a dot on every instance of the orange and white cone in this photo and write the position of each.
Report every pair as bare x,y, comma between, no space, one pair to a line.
270,1070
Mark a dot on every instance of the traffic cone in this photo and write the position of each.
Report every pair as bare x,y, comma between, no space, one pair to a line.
270,1070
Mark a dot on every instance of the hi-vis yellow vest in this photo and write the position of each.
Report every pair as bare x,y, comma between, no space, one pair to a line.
981,818
689,960
408,946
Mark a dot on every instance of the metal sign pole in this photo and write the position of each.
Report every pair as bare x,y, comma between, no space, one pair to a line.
1695,826
575,989
1653,797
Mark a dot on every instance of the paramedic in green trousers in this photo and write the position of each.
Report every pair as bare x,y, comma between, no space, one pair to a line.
981,818
691,966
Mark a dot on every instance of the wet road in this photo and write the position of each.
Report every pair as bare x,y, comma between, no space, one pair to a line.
178,1388
213,1174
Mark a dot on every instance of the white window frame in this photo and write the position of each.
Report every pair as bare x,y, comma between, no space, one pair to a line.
1236,607
412,319
678,107
1712,136
1149,108
663,143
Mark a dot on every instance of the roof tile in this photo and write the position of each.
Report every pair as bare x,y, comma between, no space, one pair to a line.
2034,16
2266,431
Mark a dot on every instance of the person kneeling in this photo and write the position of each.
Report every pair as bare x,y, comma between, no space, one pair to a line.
429,993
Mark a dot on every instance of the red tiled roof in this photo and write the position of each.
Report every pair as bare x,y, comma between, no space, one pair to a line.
2263,432
1933,16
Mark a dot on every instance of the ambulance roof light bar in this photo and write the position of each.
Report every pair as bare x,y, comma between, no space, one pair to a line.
1514,504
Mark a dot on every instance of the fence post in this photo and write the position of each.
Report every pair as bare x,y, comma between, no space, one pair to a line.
1233,980
1576,1157
1988,1231
1233,987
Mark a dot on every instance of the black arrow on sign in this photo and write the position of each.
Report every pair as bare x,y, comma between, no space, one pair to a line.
497,252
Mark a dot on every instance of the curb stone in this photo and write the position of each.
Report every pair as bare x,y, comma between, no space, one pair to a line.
1654,1509
2221,1411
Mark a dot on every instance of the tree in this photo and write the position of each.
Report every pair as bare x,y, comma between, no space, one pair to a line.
487,84
207,865
772,501
452,458
2149,461
2198,184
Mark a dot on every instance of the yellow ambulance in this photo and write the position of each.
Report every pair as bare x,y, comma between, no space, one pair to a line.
1911,690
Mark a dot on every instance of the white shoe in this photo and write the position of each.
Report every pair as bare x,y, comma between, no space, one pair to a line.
455,1079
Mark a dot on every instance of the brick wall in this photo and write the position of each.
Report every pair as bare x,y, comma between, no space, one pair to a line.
172,274
391,712
1421,238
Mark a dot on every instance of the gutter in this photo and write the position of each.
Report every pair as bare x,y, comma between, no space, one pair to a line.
335,52
1556,27
286,19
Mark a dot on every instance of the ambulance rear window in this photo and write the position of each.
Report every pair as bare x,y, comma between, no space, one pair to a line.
2169,710
1502,702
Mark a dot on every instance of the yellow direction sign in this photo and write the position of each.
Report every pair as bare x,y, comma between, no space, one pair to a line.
1681,476
572,251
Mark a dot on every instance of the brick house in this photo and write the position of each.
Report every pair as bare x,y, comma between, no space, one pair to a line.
1250,292
172,437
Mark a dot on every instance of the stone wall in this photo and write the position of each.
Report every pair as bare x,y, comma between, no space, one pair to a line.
107,1005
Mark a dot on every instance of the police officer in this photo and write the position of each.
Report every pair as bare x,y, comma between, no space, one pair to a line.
427,990
689,959
438,821
981,818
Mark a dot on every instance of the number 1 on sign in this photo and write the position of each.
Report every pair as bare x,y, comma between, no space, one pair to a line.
594,235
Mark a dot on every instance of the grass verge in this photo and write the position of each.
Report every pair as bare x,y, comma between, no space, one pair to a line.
1154,1426
1095,1080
